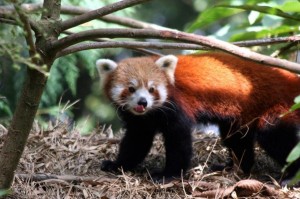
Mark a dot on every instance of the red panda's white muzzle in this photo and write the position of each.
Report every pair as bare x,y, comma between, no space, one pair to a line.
141,105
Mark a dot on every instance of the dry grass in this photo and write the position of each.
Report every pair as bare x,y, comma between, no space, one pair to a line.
60,163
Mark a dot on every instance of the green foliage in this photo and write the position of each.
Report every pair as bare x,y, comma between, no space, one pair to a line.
293,156
294,107
295,153
211,15
4,192
249,19
64,74
4,107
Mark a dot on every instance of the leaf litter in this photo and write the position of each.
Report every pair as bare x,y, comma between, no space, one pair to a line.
62,163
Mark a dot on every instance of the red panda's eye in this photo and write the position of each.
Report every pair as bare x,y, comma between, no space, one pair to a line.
131,89
151,90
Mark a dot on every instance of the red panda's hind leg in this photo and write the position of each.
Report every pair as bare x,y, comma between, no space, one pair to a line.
278,139
240,142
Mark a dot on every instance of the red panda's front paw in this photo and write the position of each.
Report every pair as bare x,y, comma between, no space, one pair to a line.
161,177
108,165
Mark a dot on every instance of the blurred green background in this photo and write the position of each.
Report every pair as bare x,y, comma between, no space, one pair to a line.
72,93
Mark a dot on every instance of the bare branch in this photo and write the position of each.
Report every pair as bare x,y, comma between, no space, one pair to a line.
178,36
267,41
67,178
75,10
26,7
124,21
135,45
141,50
8,21
98,13
284,49
130,45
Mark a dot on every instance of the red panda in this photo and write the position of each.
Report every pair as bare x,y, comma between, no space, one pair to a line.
171,94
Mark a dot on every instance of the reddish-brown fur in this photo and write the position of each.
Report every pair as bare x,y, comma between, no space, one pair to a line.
234,87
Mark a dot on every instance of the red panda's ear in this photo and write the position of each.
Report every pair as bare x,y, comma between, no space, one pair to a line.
105,66
168,64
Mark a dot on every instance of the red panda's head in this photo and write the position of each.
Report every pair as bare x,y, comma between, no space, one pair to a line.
137,84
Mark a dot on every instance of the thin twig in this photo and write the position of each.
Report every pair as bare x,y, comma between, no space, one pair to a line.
140,50
124,21
67,178
69,23
267,41
8,21
28,34
284,49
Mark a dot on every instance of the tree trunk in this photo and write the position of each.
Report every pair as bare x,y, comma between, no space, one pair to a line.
21,125
48,29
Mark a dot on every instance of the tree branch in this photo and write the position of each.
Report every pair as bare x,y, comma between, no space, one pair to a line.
128,44
53,9
136,45
178,36
28,34
98,13
141,50
124,21
8,21
67,178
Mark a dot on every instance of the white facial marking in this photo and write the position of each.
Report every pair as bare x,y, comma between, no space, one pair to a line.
150,84
163,94
134,82
116,92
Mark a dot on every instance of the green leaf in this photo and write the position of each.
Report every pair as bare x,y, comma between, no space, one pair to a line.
294,154
295,179
264,9
70,72
297,99
295,107
72,77
290,6
210,16
4,109
4,192
54,87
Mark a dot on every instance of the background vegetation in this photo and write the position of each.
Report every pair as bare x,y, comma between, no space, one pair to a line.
72,91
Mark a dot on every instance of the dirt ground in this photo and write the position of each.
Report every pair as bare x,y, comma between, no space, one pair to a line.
61,163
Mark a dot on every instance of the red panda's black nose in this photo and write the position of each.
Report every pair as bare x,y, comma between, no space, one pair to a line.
142,101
